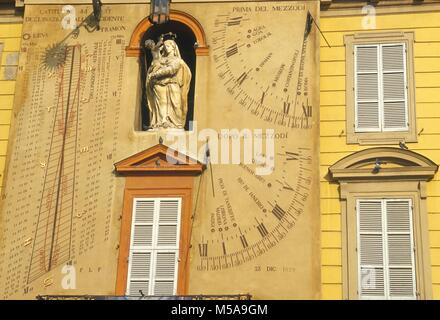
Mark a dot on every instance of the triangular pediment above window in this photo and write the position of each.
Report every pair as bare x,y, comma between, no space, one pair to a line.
159,160
377,163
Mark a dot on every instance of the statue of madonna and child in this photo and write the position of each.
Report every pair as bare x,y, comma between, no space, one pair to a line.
167,85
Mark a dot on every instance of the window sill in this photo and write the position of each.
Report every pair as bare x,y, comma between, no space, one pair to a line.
381,138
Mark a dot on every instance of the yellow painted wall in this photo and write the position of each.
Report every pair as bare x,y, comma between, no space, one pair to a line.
333,139
10,36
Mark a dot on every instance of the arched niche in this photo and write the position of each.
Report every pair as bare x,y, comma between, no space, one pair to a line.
134,48
192,43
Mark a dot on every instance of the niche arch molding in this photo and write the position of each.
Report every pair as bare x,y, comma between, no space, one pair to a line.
134,47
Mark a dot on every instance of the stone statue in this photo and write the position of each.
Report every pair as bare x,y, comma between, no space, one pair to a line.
167,85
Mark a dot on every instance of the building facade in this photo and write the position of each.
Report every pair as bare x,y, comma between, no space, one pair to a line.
11,21
338,202
349,29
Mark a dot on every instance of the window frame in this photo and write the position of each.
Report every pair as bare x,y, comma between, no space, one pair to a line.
381,99
158,171
381,190
139,187
154,248
406,174
384,136
386,265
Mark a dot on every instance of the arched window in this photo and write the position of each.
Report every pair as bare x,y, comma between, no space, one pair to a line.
385,244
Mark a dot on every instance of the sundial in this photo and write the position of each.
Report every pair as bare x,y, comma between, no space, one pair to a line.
251,214
77,115
257,226
262,62
65,139
56,209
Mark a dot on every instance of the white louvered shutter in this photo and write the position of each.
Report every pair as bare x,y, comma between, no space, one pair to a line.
367,88
400,249
395,106
167,247
385,249
140,259
381,89
154,246
371,249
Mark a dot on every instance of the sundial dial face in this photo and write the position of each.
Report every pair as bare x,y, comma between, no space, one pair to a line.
254,228
261,56
56,207
251,214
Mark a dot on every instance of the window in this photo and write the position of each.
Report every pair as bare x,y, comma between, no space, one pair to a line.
384,223
385,249
154,247
380,88
155,221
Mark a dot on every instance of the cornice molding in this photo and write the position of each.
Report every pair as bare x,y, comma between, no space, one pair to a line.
401,164
159,160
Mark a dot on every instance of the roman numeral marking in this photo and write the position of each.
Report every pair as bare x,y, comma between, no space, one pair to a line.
27,242
231,50
243,77
278,212
291,156
285,185
263,95
286,106
203,249
234,21
307,110
262,229
308,159
244,241
224,248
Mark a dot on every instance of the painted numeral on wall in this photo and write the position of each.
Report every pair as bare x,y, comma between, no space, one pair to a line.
231,50
203,249
244,241
286,107
307,110
224,248
262,229
234,21
291,156
278,212
241,78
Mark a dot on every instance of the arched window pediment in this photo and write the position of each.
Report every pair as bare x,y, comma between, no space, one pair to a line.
383,162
